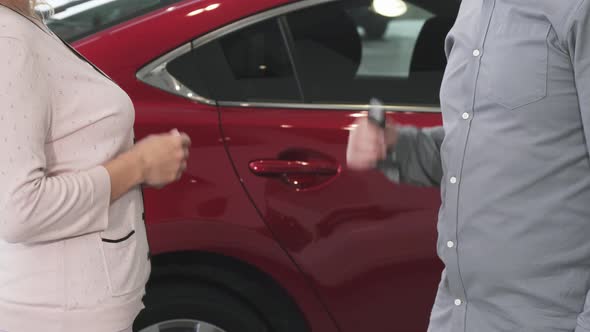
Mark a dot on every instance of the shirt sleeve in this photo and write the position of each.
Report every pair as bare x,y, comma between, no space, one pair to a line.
35,206
579,49
415,159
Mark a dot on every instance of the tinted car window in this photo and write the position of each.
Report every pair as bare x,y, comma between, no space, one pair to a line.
78,19
348,52
248,65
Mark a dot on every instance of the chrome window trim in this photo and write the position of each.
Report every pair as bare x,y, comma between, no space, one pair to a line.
155,73
344,107
271,13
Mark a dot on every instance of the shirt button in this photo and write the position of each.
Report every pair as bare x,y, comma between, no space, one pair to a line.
465,116
450,244
453,180
458,302
476,53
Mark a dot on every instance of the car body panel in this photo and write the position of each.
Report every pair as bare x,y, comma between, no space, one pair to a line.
207,210
367,244
352,243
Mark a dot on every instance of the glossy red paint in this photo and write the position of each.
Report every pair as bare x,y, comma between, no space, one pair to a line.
367,244
207,210
354,251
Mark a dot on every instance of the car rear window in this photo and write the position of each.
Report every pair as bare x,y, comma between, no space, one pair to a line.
73,20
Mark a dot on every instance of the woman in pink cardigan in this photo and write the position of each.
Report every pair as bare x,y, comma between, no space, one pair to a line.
73,248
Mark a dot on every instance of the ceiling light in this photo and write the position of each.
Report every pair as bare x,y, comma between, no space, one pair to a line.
390,8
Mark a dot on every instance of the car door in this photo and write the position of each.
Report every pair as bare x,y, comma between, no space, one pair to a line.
289,84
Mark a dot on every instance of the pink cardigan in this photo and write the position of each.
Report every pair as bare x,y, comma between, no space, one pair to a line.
69,260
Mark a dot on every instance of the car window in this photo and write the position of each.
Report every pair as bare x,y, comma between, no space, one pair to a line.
388,43
76,19
349,51
249,65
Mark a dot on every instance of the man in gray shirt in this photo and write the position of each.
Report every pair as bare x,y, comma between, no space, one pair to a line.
513,165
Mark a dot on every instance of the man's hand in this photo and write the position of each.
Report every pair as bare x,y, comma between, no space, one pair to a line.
368,143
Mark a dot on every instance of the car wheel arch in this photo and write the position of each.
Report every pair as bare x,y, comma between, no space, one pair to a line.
240,278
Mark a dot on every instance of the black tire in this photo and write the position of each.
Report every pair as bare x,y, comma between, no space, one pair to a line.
198,301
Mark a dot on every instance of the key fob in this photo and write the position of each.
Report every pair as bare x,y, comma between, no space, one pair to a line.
378,118
377,113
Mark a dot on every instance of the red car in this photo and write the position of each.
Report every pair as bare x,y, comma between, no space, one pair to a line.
268,230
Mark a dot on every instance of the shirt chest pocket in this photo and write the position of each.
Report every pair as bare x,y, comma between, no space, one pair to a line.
516,54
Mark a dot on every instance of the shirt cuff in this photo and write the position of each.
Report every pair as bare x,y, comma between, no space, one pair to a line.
390,166
399,153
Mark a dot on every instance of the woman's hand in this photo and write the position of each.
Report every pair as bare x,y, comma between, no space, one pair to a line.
163,157
156,160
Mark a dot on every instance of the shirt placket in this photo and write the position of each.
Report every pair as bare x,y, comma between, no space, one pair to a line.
453,178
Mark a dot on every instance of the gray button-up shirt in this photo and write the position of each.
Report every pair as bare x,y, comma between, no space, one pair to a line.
514,168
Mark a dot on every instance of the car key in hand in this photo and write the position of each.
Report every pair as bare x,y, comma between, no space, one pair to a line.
378,117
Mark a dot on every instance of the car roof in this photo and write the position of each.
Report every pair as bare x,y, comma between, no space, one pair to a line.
124,48
229,8
165,29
